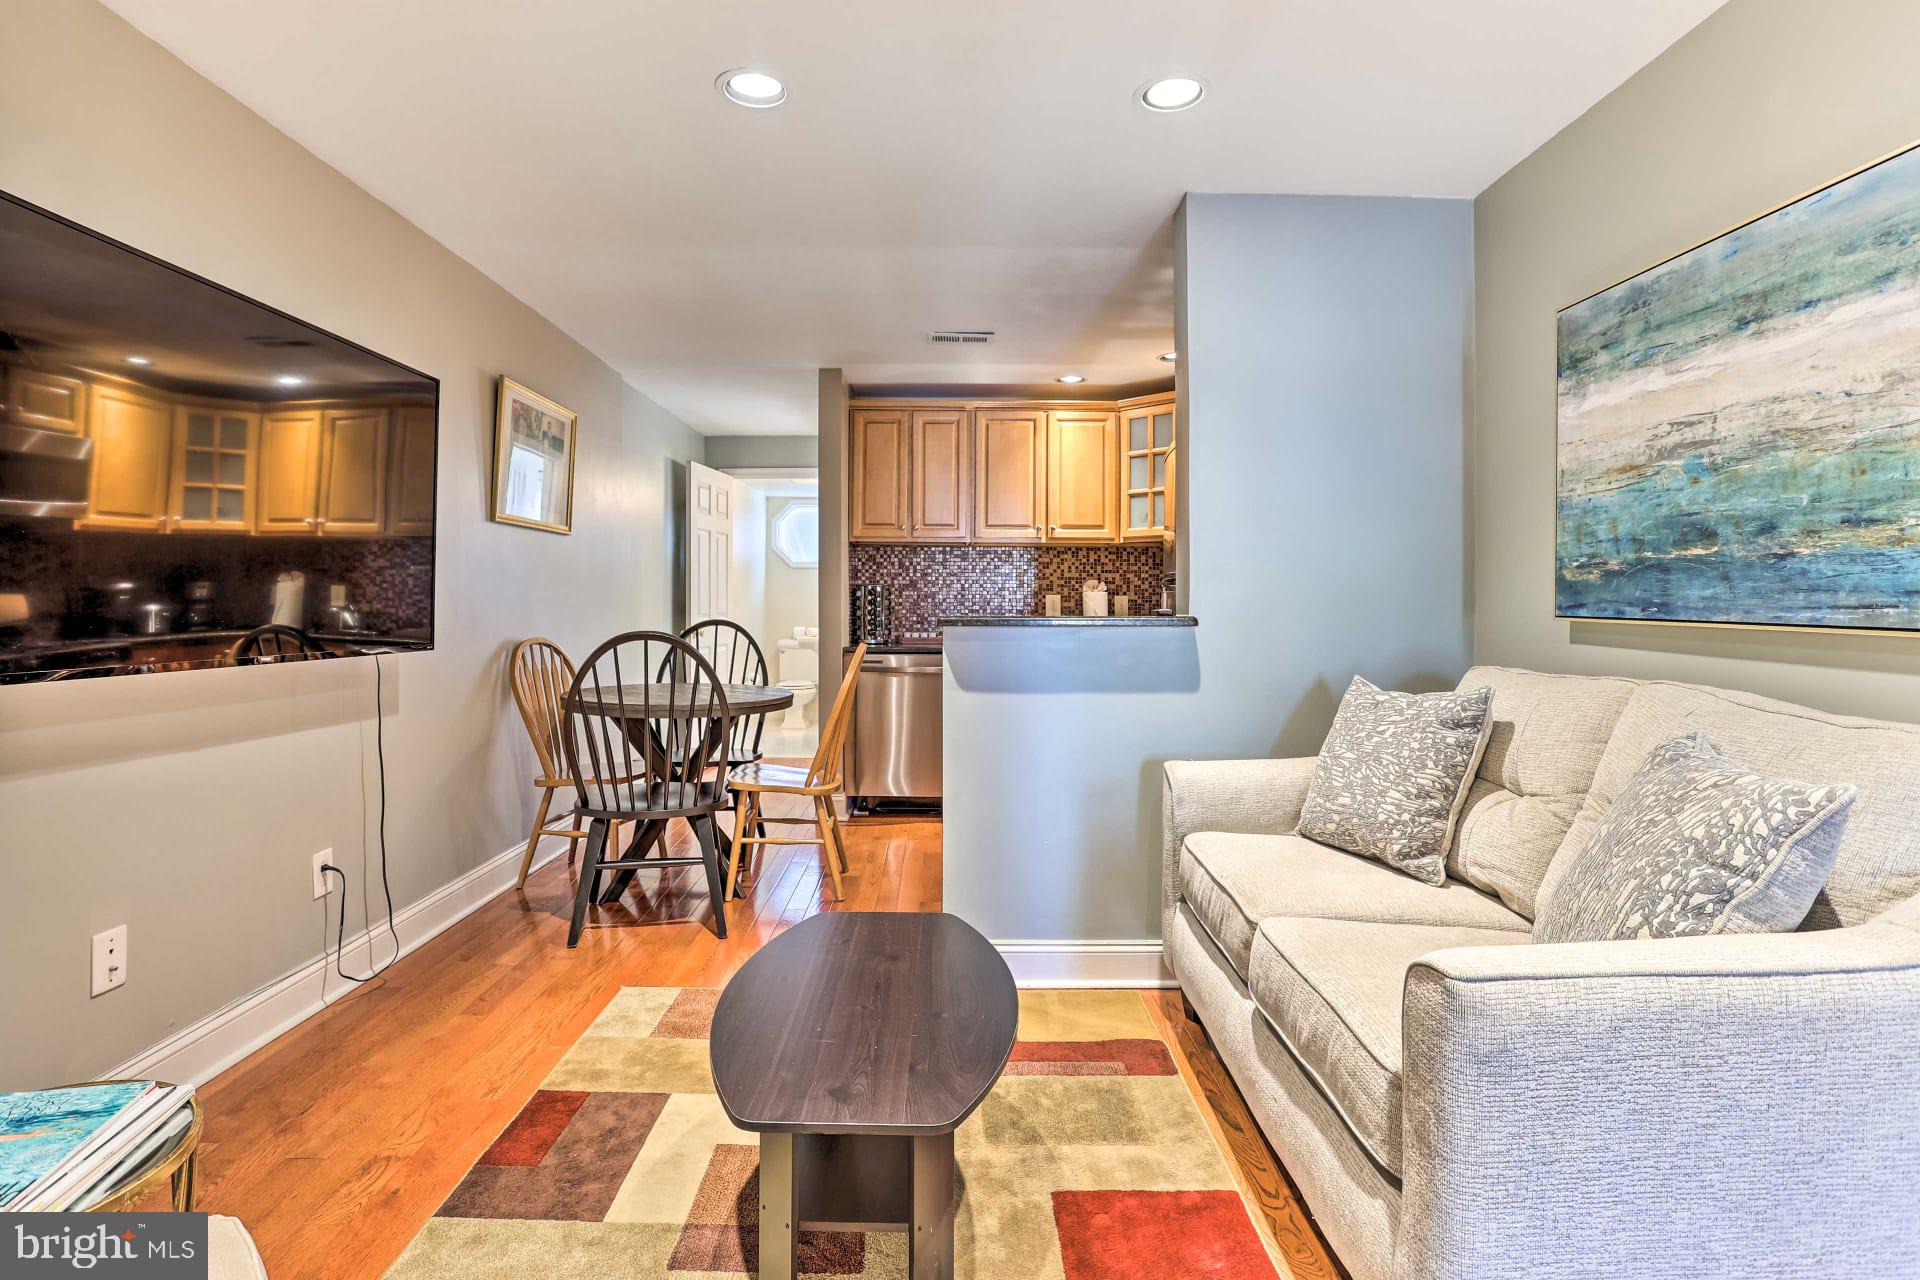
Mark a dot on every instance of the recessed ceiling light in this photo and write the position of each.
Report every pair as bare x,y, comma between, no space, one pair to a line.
138,360
751,88
1169,356
1174,93
1069,377
289,379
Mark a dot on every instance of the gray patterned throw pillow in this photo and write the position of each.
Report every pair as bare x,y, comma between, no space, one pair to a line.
1394,772
1695,845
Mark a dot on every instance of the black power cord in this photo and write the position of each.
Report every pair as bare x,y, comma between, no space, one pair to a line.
340,933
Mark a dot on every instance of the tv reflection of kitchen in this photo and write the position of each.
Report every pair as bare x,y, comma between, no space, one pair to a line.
181,467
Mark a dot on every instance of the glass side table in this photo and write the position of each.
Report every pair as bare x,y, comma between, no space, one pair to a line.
177,1159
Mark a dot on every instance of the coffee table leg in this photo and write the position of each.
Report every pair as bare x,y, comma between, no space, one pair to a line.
930,1242
779,1207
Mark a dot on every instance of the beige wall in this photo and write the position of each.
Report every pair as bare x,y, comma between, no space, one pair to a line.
188,806
732,452
1763,101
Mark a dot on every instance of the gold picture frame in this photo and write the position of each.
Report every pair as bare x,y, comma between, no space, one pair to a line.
535,441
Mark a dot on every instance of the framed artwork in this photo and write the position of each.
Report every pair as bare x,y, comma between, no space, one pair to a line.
533,444
1739,425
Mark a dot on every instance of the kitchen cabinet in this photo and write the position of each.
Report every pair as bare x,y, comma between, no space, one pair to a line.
1066,472
940,496
1146,469
47,400
878,506
1010,475
1083,490
132,438
353,472
212,469
287,497
410,482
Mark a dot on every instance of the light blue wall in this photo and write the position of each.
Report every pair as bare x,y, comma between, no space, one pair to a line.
1325,344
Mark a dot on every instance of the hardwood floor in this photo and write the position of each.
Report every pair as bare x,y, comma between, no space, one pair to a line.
338,1140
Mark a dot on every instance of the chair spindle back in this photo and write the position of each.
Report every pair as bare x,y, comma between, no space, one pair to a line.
738,659
275,642
541,674
647,715
830,754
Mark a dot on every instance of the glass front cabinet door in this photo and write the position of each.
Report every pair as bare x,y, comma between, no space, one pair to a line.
1146,469
213,467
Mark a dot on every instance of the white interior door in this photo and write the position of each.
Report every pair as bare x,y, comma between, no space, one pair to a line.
710,507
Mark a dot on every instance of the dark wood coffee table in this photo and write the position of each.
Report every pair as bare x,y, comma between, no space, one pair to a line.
854,1044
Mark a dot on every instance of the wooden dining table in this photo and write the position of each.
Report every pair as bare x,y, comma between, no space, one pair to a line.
640,706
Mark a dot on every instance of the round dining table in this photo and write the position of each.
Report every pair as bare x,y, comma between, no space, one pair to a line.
638,705
642,702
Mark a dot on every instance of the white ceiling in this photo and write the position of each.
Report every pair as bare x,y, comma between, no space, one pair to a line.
975,164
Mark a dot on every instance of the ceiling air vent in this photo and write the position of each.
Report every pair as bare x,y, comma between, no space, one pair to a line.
964,337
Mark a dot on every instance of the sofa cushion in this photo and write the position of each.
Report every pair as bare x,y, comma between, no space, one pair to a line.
1878,862
1233,882
1331,989
1393,774
1548,734
1697,845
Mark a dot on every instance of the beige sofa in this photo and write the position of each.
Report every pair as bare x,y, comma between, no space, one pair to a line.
1456,1102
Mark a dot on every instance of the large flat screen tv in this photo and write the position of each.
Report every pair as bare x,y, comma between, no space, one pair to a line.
190,478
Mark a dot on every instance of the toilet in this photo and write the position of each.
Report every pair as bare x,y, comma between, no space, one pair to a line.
799,666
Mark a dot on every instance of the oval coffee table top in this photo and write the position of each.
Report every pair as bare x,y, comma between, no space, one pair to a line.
864,1022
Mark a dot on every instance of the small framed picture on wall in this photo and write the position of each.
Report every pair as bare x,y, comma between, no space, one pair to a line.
533,441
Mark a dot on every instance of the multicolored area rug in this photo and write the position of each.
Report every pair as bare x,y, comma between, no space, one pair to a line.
1088,1161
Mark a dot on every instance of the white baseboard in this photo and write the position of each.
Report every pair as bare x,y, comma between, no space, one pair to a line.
1074,962
197,1053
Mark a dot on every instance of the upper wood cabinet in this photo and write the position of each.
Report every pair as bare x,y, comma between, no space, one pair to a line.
132,448
287,499
940,497
1083,497
47,400
1073,473
213,469
410,480
879,476
1010,475
353,472
1146,470
164,464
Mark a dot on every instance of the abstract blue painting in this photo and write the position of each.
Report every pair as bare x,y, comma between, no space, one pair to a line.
1739,427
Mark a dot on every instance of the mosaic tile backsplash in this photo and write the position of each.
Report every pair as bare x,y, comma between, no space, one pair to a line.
389,579
933,582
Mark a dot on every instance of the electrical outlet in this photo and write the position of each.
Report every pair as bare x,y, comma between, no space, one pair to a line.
109,960
322,881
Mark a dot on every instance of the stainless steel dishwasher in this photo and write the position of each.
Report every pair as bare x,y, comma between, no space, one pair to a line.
893,752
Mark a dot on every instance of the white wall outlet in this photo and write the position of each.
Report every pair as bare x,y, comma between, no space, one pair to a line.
322,880
109,960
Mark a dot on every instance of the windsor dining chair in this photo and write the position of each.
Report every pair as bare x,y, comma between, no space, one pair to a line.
540,674
818,782
639,749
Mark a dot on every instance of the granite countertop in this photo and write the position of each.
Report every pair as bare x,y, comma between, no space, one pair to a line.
212,635
1074,620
